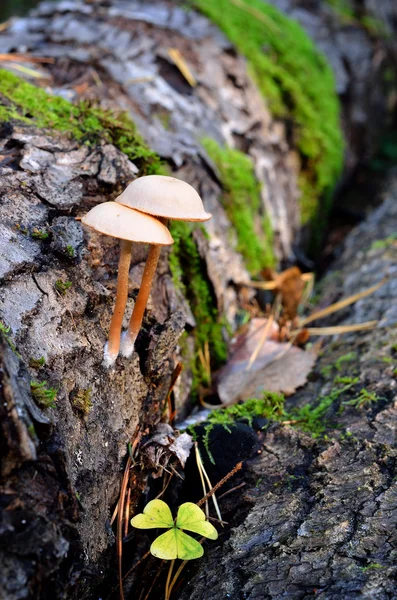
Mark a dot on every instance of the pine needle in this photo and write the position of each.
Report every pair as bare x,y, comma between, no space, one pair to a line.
341,304
25,58
181,64
341,328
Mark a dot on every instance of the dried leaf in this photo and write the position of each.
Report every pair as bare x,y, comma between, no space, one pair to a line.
181,447
279,367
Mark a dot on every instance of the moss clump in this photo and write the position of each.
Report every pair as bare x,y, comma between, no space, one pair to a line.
81,401
242,202
37,363
6,331
364,398
45,396
26,103
39,234
188,273
62,286
70,251
386,243
271,406
297,82
311,418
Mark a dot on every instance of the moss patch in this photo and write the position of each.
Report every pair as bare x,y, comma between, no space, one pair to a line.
297,82
188,273
242,202
311,418
28,104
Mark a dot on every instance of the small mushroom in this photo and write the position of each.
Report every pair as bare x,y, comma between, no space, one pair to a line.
129,226
165,198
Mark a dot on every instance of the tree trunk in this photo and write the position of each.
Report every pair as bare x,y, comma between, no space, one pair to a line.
61,465
316,516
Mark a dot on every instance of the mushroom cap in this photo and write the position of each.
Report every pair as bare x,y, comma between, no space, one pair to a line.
166,197
125,223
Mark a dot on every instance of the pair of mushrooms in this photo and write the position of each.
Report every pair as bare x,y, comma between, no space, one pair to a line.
140,214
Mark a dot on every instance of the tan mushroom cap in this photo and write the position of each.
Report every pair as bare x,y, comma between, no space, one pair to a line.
166,197
125,223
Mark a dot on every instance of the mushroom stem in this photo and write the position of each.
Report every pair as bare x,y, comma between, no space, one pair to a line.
129,337
111,350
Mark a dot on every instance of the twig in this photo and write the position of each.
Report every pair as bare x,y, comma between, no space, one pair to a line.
171,413
237,487
220,483
119,535
127,512
154,580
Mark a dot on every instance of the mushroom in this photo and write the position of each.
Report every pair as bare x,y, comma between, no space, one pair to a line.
129,226
165,198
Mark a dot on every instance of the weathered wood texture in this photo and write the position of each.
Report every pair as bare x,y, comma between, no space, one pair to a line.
56,542
318,518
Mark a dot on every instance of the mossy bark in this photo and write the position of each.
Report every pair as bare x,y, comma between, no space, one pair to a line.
62,465
315,515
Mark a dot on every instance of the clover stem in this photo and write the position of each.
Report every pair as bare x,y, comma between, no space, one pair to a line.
128,341
167,584
112,347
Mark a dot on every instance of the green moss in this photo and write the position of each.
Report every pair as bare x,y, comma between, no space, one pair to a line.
311,418
242,202
37,363
39,234
270,406
371,566
346,380
62,286
6,331
297,82
385,243
70,251
364,398
345,358
45,396
81,401
29,104
188,273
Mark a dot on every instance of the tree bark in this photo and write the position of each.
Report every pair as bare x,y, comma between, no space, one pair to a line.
61,467
316,516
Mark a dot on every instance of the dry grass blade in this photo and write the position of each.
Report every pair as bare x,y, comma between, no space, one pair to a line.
119,535
308,278
30,72
180,62
341,304
171,413
274,315
259,346
199,463
341,328
205,359
262,285
220,483
25,58
127,512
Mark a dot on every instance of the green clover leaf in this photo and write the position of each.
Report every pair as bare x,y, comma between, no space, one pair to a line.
175,543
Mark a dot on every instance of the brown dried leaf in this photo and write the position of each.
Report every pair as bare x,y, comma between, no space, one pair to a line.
279,367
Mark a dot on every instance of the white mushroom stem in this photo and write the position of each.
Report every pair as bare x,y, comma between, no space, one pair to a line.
111,350
129,337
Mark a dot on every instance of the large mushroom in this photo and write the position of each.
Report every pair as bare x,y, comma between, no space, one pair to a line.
165,198
129,226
